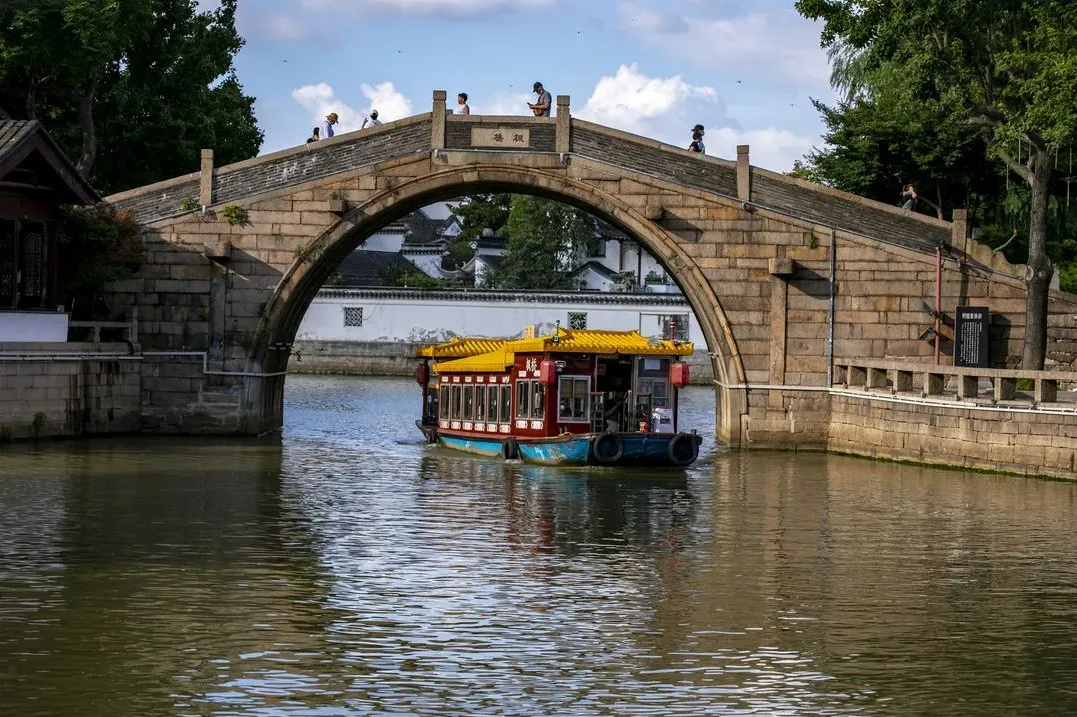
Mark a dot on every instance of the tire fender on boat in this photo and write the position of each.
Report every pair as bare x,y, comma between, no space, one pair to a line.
510,451
607,448
683,450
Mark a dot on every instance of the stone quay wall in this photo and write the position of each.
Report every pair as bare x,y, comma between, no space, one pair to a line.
68,390
1030,442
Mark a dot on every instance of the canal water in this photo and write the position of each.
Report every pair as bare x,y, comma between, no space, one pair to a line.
353,570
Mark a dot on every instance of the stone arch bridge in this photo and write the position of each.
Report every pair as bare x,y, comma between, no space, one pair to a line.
784,276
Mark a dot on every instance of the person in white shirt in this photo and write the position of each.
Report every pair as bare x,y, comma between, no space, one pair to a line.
326,129
461,99
372,120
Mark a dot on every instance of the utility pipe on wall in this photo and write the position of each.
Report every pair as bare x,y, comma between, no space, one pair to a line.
830,308
938,304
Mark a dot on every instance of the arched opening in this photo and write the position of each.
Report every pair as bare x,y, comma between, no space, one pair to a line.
301,283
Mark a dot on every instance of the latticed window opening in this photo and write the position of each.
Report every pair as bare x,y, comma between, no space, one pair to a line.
577,319
353,316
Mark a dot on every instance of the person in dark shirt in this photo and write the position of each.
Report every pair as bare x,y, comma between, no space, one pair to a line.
908,197
697,142
541,108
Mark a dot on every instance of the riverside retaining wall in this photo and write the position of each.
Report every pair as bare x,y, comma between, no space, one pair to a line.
67,389
1025,441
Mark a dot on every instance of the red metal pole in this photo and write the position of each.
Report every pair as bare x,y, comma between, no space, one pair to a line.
938,304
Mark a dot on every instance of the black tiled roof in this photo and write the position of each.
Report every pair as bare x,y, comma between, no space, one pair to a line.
19,139
367,268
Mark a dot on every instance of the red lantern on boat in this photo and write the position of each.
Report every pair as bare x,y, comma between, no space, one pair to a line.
548,372
422,374
678,374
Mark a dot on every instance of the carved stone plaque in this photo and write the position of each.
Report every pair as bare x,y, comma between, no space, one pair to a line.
501,137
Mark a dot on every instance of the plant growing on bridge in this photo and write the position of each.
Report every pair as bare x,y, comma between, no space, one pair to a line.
189,204
234,215
1008,69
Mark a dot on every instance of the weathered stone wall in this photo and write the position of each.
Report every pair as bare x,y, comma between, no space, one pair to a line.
1031,442
60,390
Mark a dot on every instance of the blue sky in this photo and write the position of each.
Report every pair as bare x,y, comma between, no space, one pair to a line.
746,70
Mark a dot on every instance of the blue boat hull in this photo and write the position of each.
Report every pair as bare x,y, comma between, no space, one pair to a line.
634,449
639,449
489,447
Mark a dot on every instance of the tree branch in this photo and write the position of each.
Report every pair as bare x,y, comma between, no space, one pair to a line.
89,132
1021,170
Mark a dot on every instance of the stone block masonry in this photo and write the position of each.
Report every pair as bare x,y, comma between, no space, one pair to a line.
1039,443
64,390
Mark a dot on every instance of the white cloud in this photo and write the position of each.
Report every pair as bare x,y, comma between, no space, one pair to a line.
629,99
321,99
771,148
449,8
777,41
388,101
665,109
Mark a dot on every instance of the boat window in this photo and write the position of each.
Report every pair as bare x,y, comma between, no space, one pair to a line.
506,403
443,404
523,399
575,394
469,403
480,403
456,402
538,400
491,404
660,393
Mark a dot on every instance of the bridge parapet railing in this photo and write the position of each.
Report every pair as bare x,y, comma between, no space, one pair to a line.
1012,387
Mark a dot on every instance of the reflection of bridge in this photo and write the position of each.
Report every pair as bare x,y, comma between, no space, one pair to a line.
759,256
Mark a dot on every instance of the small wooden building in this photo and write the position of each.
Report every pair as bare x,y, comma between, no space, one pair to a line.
36,179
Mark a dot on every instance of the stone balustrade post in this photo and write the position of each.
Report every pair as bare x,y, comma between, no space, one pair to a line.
744,173
205,180
959,229
563,128
437,134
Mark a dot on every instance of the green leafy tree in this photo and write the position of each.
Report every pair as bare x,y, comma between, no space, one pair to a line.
544,240
99,245
1005,67
480,212
133,88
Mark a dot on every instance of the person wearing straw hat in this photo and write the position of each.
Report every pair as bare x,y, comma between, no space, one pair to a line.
327,126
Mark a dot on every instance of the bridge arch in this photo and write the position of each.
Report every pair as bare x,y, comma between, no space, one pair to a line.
299,285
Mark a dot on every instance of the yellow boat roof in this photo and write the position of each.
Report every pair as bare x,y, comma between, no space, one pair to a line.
565,341
459,347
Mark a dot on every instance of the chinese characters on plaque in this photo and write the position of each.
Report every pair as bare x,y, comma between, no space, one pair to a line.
532,364
972,337
501,137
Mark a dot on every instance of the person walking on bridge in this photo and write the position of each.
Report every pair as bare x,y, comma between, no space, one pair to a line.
697,140
461,99
541,108
372,120
327,126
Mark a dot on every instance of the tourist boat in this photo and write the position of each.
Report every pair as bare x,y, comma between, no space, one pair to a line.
575,397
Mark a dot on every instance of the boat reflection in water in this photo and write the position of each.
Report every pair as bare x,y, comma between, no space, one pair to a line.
573,398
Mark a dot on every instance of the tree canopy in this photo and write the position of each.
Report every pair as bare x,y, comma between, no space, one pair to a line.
545,238
131,89
1004,71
